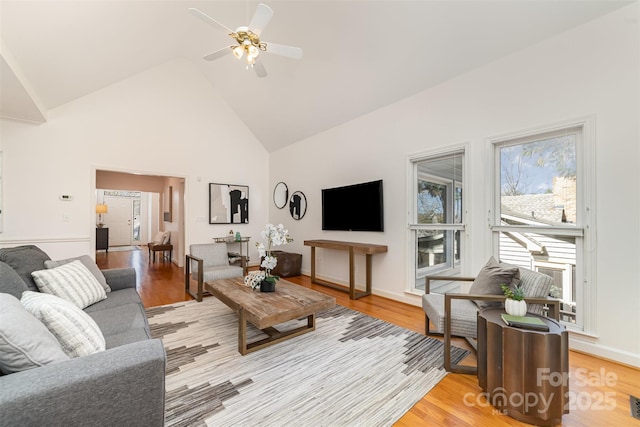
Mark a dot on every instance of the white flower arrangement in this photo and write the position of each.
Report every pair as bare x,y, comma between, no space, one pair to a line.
254,278
275,236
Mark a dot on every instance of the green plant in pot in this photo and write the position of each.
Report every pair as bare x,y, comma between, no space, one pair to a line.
515,303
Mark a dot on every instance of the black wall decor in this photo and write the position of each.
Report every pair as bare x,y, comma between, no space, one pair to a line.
228,204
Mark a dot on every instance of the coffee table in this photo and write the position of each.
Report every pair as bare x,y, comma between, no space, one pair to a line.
266,309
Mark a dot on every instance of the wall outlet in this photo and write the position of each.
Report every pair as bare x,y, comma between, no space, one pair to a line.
65,217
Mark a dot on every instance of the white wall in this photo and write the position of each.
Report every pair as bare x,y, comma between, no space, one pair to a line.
166,121
592,70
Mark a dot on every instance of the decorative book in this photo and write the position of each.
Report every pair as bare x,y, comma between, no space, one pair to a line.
525,322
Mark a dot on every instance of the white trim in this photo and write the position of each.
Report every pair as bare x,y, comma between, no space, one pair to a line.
437,227
585,220
410,256
547,230
185,199
583,344
7,243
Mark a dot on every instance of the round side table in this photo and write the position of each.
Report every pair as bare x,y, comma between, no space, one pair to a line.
523,371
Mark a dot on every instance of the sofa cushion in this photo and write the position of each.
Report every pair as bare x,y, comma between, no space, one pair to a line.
489,281
78,334
10,282
88,262
116,299
25,343
73,282
119,319
127,337
25,260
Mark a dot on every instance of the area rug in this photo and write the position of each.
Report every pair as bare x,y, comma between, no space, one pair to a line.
123,248
352,370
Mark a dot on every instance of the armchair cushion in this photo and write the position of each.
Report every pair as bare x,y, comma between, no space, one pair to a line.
490,278
462,325
212,254
535,285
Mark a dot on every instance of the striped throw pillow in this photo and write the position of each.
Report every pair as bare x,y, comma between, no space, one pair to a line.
77,333
72,282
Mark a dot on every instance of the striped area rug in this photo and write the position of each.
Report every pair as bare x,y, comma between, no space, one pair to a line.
353,370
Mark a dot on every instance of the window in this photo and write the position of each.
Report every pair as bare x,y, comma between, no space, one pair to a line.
436,214
539,218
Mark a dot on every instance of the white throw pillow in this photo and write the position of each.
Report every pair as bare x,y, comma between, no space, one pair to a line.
73,282
159,238
25,342
166,238
77,333
88,262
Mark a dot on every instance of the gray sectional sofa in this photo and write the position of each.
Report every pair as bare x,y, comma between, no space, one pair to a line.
122,385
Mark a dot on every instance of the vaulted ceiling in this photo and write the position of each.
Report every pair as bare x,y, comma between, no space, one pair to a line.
358,55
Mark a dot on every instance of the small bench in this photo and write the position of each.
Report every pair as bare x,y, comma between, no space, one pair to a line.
158,247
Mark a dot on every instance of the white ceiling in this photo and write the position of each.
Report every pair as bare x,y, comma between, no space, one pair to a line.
358,55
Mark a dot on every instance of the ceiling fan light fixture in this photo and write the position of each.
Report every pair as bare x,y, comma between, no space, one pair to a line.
238,52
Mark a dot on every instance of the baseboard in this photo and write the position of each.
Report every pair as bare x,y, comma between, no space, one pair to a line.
604,352
414,300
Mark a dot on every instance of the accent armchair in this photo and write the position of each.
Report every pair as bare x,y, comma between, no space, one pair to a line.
209,261
455,314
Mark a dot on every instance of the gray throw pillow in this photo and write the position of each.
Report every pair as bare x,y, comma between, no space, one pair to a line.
88,262
10,282
25,260
25,342
490,279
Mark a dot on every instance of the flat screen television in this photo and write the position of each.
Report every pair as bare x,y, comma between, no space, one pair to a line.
357,207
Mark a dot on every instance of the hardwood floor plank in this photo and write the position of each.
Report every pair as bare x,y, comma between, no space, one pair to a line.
600,388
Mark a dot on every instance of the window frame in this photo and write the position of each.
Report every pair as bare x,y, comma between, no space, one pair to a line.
412,210
583,230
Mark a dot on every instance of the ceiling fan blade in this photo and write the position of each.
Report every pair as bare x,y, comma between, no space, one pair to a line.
258,67
209,20
261,18
218,54
283,50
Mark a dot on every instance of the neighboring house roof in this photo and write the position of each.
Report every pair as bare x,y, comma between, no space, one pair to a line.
531,209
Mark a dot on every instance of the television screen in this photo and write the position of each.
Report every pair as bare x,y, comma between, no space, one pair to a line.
356,207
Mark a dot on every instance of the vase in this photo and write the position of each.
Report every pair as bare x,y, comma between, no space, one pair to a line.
515,308
267,286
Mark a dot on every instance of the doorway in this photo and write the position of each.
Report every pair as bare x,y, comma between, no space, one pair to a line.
136,204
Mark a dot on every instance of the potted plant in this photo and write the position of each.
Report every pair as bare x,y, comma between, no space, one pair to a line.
275,236
515,303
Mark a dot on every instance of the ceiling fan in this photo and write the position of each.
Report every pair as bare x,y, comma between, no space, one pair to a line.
248,40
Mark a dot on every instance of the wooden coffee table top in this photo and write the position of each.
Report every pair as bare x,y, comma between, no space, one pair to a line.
266,309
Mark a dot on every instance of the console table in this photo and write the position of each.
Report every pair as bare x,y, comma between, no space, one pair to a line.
524,372
367,249
102,239
233,257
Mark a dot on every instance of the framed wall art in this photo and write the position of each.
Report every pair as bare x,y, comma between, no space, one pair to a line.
228,204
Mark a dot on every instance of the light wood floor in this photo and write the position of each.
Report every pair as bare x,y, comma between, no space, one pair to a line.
599,389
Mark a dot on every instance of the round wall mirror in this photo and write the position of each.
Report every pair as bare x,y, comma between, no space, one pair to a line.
298,205
280,195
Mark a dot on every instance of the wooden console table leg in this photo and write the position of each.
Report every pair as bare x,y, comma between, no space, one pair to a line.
368,273
313,264
352,274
